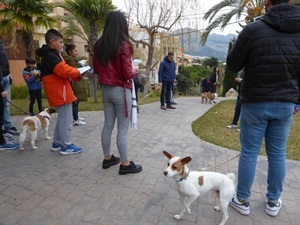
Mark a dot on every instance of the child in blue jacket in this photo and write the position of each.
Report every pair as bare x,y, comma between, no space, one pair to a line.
31,76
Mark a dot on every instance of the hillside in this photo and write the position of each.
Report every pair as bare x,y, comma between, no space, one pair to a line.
215,46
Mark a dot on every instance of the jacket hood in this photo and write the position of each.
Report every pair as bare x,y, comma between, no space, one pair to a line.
44,50
167,59
283,17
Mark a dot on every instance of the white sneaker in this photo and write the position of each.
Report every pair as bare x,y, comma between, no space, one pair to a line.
81,118
78,123
232,126
242,207
272,208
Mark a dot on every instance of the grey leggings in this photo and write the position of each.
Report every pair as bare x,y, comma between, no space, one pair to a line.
113,98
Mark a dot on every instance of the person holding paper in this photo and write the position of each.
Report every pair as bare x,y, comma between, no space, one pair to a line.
56,75
113,64
70,56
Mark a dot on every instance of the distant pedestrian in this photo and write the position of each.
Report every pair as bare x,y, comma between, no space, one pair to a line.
204,85
238,105
166,79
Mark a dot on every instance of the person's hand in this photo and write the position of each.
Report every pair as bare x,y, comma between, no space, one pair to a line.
84,74
238,79
297,109
4,94
159,86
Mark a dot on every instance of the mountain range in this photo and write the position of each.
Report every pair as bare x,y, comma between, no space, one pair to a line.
215,46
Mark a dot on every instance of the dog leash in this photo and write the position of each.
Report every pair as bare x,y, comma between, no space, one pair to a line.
213,167
150,93
26,113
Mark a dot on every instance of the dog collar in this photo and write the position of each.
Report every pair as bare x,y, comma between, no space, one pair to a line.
183,178
46,117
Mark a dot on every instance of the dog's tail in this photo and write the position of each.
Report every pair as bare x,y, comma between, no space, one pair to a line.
231,176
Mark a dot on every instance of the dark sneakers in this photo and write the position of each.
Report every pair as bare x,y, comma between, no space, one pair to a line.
132,168
112,161
170,107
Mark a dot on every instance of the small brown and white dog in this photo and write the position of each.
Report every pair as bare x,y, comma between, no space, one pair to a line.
32,124
192,184
208,97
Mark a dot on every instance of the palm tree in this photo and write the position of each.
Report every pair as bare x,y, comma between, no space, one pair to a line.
249,8
25,16
90,16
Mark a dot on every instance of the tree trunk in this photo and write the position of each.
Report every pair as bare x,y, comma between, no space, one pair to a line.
149,62
93,78
27,42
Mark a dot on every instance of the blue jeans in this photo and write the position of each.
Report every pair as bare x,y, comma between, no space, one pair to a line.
165,94
271,120
6,116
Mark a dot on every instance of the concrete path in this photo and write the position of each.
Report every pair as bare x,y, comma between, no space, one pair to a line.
40,187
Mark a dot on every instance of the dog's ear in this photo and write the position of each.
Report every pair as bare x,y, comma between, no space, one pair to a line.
167,154
51,110
186,160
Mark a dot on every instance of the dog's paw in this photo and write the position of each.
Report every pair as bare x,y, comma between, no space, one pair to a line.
177,217
217,208
188,210
47,138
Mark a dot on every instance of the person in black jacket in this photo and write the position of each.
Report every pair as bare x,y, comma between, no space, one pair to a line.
6,82
5,142
268,50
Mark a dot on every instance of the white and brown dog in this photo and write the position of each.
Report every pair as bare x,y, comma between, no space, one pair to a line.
208,97
32,124
192,184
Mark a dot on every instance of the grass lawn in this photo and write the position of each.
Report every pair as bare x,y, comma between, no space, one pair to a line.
214,121
218,117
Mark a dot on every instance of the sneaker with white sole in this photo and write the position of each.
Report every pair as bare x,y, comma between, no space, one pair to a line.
8,145
79,123
55,147
243,207
273,207
70,150
232,126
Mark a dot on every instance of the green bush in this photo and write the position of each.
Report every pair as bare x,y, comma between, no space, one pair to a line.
21,92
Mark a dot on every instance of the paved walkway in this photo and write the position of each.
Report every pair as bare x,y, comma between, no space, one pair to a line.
40,187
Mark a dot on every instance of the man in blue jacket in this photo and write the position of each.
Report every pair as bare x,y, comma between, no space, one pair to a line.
166,78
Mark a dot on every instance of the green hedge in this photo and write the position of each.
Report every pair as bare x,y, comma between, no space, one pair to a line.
21,92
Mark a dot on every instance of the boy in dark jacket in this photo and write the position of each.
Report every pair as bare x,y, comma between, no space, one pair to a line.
31,76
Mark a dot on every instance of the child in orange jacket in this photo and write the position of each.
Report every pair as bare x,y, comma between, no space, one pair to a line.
56,75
